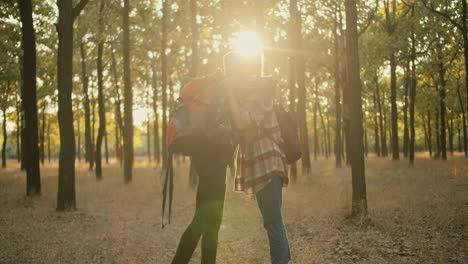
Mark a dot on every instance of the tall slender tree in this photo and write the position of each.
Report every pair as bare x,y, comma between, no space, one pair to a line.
100,81
359,204
66,184
29,100
165,14
128,96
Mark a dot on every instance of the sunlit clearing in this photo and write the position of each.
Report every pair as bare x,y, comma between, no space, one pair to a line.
140,116
247,44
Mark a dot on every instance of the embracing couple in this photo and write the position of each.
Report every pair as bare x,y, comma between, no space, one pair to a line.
261,167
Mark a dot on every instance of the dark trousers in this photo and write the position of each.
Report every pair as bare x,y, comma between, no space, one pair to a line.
209,211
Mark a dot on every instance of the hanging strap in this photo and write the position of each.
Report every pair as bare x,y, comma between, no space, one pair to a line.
168,178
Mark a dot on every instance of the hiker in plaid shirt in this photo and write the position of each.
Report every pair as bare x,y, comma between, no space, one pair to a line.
261,164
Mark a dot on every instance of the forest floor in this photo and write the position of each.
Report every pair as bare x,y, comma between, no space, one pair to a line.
416,215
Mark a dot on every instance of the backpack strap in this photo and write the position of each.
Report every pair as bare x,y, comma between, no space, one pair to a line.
168,178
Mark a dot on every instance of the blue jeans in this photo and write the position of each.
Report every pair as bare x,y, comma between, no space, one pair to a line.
269,201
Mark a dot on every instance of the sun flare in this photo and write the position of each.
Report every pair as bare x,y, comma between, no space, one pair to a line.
247,43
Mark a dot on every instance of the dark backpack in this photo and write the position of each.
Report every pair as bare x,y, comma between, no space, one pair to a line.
291,145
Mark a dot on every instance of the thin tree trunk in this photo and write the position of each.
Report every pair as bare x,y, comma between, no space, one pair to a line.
29,101
429,133
425,134
328,134
193,177
437,129
5,138
376,125
18,127
89,155
459,137
48,142
128,96
78,136
338,142
43,134
118,113
394,113
148,136
405,113
383,138
450,133
156,139
296,39
465,47
359,201
106,147
316,133
100,81
463,111
443,110
165,10
292,74
412,98
93,129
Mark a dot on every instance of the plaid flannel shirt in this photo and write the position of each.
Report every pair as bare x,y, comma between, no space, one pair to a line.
259,157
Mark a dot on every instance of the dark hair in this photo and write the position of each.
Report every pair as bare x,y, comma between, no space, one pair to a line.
233,61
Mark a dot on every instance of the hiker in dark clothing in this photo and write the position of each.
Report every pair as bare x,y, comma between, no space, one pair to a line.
211,170
210,166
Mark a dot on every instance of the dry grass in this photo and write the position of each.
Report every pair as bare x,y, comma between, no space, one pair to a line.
417,215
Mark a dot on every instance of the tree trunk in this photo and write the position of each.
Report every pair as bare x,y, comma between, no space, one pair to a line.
336,47
376,125
394,113
156,139
48,142
118,113
302,116
18,127
383,138
128,97
29,101
66,182
465,46
43,134
106,147
359,203
450,131
148,136
437,129
93,129
443,110
429,133
426,144
412,98
89,155
296,42
463,112
5,137
78,132
316,133
100,81
405,113
459,137
165,10
292,73
328,136
193,176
